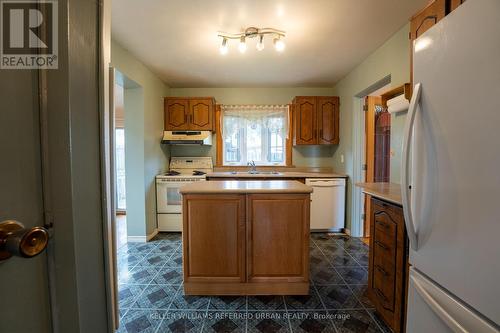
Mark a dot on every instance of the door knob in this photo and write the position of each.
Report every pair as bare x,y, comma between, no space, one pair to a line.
16,240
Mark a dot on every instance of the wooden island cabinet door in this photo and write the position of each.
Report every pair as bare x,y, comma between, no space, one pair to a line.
176,114
328,120
305,121
201,116
278,238
214,251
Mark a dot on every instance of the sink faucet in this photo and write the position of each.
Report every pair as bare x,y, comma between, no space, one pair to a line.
253,167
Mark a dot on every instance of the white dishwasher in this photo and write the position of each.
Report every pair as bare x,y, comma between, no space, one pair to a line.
327,204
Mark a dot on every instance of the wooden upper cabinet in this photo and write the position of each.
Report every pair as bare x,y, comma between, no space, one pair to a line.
427,17
316,120
202,114
176,114
195,114
328,120
455,3
305,121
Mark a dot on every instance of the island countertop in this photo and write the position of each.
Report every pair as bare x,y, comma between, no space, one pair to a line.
242,186
390,192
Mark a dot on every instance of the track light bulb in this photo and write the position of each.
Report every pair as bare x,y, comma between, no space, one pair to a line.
279,44
260,43
223,48
242,46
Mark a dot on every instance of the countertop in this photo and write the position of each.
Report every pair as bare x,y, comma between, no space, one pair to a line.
242,186
390,192
281,174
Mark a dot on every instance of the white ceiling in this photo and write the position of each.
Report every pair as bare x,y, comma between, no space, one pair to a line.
325,38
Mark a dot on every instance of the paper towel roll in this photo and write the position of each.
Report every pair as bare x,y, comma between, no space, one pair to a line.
397,104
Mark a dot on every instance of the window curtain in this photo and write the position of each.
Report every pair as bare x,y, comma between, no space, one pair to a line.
273,117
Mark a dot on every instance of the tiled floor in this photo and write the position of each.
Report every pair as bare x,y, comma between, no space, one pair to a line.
152,299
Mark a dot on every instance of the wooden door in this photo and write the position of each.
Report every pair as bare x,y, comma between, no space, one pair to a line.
176,114
370,104
305,121
216,251
201,114
278,224
328,120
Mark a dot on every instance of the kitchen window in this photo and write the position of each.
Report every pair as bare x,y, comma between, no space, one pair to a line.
255,133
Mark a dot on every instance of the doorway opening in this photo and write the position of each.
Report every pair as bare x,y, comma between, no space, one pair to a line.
120,174
377,148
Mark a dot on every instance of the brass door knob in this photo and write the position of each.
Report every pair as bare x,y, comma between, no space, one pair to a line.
16,240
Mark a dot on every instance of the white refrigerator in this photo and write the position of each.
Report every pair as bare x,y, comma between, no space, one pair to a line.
451,174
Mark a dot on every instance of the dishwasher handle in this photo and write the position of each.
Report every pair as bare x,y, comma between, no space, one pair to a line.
325,182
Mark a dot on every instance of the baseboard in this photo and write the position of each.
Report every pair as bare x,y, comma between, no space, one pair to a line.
142,239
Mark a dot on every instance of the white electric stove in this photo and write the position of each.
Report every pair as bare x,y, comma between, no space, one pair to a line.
182,171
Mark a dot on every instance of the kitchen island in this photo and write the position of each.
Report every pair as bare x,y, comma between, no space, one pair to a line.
246,238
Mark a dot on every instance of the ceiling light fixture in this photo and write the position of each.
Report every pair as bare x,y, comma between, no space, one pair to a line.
223,48
260,43
279,44
242,46
252,32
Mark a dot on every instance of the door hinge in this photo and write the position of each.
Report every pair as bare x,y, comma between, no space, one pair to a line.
365,107
363,217
364,167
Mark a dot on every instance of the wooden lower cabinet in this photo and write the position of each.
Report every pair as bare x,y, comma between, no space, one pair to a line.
246,244
388,263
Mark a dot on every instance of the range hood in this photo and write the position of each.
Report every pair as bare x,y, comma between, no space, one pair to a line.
203,138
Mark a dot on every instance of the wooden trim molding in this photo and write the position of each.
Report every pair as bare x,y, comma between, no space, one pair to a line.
218,140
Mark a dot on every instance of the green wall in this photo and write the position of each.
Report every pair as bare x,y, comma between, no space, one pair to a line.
392,58
320,156
149,159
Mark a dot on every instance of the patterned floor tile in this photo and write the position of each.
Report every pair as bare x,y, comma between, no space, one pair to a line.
361,257
342,260
139,275
187,302
128,293
139,321
360,291
229,303
311,322
169,275
182,322
381,324
156,297
324,273
166,248
225,322
304,302
353,275
267,322
129,260
266,303
354,321
155,259
175,260
338,297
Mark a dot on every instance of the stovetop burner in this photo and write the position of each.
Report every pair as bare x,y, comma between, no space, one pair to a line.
172,173
198,173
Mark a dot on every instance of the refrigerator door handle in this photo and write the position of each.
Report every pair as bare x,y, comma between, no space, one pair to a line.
454,314
405,186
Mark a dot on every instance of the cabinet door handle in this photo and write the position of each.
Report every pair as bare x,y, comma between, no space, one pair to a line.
185,118
321,133
382,245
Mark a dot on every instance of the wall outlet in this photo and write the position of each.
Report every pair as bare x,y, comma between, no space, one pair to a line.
342,158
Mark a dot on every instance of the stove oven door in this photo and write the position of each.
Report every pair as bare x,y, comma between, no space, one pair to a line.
168,198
